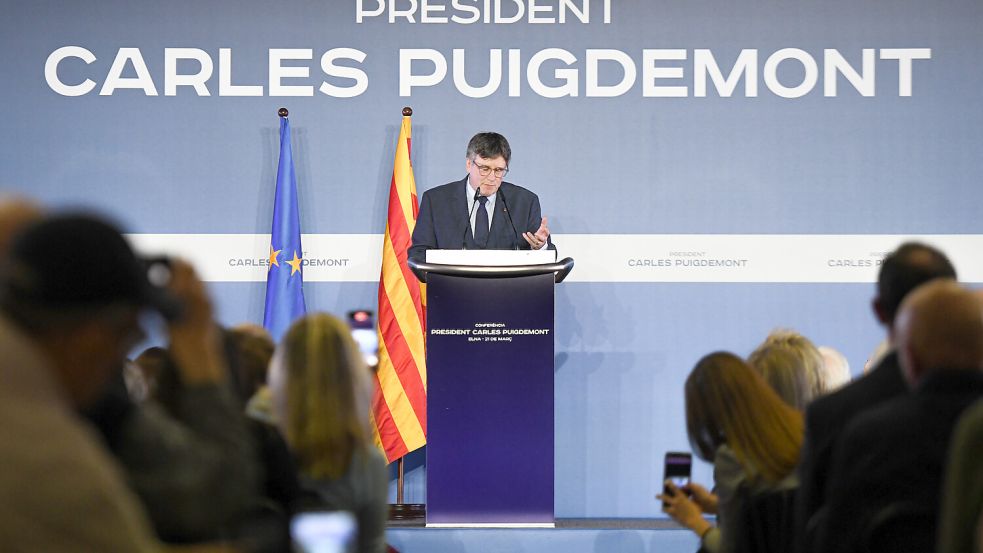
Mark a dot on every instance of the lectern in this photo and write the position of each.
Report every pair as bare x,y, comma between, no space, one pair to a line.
490,386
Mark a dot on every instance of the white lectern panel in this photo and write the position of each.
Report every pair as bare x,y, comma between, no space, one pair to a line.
494,258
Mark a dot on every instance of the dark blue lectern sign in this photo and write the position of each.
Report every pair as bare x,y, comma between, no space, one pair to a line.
490,399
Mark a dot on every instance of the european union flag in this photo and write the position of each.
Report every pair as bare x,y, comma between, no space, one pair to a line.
285,279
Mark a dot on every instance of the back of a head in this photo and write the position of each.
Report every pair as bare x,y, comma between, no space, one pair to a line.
321,391
252,349
791,365
727,402
905,269
940,327
489,145
836,369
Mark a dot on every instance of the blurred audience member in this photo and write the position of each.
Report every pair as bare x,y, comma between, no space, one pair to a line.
187,450
254,347
835,371
321,390
260,406
735,420
153,364
254,330
962,502
901,272
880,351
15,214
250,351
71,290
135,383
791,365
890,459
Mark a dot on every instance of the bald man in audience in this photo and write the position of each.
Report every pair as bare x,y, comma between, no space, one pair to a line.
903,270
961,519
887,469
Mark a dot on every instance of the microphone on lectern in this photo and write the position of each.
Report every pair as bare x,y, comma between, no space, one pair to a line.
467,225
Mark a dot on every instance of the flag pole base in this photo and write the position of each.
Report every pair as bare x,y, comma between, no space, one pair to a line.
408,513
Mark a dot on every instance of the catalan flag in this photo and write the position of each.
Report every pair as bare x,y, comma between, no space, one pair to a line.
399,406
285,277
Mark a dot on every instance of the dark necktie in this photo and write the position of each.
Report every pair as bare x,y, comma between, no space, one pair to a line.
481,224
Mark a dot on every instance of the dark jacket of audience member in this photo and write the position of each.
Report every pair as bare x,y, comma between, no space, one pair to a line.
894,454
250,350
903,270
889,461
187,450
962,500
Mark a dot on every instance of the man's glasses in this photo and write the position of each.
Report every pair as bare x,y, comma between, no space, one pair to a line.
485,170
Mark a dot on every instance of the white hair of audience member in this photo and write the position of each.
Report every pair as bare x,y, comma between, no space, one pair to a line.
836,369
791,365
875,356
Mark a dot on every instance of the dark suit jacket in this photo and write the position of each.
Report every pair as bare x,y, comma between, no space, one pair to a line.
962,501
893,453
443,224
826,418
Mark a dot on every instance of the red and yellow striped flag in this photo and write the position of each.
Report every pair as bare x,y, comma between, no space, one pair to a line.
399,406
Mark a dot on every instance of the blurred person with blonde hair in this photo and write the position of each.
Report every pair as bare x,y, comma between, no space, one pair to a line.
735,420
321,390
791,365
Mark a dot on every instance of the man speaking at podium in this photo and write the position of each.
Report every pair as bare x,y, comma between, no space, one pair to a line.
480,211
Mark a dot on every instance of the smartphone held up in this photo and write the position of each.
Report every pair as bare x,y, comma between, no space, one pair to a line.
678,466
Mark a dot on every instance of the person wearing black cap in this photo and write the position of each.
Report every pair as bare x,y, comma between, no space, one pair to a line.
70,294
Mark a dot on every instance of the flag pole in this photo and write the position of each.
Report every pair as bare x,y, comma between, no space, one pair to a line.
400,466
399,480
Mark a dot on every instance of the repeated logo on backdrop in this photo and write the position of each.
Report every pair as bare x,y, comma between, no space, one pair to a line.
599,258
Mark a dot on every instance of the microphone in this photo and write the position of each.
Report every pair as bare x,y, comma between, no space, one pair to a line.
505,208
467,225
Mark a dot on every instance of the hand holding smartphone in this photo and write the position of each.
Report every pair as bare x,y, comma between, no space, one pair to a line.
678,466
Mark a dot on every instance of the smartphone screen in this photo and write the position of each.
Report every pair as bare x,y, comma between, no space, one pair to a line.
362,324
677,469
322,532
